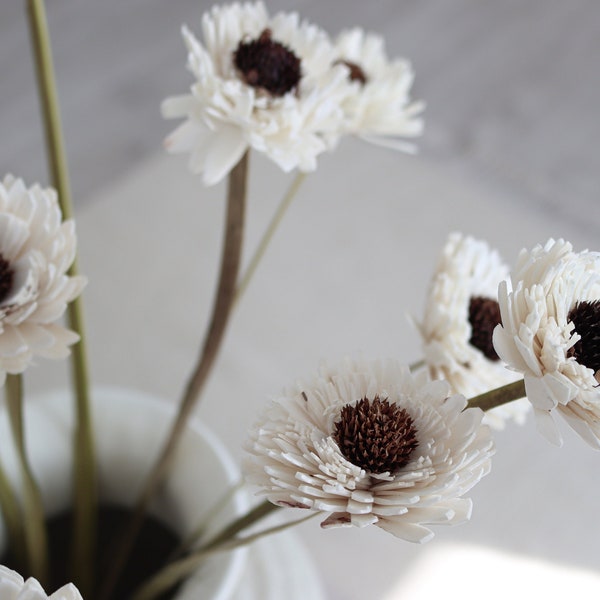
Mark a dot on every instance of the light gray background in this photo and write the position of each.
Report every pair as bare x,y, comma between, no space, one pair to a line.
509,155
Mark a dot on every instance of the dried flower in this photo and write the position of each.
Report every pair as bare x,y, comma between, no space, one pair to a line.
379,109
460,315
370,444
13,587
549,333
36,250
261,82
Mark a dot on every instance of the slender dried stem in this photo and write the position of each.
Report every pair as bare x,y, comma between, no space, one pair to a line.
13,519
268,235
225,540
85,488
223,303
36,541
499,396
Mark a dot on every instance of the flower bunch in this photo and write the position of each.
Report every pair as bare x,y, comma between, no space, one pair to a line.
282,87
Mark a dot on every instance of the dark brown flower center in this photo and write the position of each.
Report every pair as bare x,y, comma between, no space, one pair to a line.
356,73
267,64
376,435
484,315
586,318
7,276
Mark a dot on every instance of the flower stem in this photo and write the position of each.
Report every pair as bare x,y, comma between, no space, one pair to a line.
225,540
268,235
415,366
85,488
13,521
36,541
499,396
223,303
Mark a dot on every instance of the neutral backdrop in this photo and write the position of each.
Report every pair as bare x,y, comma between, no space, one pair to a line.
509,155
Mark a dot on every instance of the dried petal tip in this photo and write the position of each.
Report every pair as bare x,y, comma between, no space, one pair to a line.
269,65
356,73
586,318
484,315
376,435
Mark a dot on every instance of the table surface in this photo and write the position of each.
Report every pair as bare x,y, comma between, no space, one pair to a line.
507,157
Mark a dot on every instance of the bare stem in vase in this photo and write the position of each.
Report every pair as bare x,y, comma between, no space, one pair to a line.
223,303
85,488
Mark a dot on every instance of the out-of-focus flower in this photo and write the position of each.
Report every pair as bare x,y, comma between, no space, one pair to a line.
461,313
369,443
379,109
13,587
550,333
261,82
36,251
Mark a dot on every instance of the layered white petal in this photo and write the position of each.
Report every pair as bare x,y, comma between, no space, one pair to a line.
13,587
536,337
39,249
294,460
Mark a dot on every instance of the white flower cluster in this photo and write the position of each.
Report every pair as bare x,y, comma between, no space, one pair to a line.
297,456
284,88
36,251
13,587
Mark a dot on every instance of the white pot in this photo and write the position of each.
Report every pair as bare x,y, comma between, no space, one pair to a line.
130,427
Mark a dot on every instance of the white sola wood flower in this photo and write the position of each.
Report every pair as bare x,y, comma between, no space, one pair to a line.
36,250
261,82
13,587
370,444
379,109
550,333
461,313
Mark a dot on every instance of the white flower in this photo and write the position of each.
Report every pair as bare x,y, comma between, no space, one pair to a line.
36,250
379,109
460,315
13,587
550,332
370,444
262,82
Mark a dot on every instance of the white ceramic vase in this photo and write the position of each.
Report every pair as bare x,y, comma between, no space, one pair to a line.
130,427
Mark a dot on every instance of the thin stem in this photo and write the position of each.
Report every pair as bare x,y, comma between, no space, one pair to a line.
230,261
415,366
268,235
85,488
13,520
36,541
178,570
499,396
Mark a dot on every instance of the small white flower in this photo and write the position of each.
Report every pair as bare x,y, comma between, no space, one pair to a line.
549,333
261,82
460,315
13,587
379,109
36,250
369,443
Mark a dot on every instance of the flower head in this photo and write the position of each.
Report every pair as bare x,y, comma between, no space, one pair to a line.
368,443
36,250
261,82
379,108
460,315
549,333
13,587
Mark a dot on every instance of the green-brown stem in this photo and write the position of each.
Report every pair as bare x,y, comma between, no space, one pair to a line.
499,396
268,235
13,519
36,542
223,303
85,500
225,540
